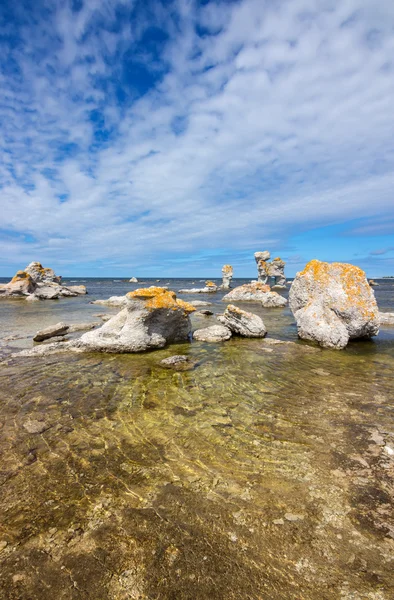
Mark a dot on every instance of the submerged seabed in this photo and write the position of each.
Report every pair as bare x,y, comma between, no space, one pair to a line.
264,473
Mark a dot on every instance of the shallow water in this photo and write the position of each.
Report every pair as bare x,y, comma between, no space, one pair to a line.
266,472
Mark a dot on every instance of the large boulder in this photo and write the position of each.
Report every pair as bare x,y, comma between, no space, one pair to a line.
255,292
21,284
333,303
242,322
152,318
39,274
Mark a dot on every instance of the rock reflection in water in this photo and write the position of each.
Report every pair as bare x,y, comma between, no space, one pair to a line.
258,475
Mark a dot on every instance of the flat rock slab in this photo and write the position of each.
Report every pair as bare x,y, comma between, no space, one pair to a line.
51,331
83,326
216,333
178,362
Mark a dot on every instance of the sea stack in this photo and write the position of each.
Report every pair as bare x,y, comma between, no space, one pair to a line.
227,275
333,303
270,270
36,282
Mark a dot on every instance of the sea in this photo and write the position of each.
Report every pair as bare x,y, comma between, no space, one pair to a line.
266,472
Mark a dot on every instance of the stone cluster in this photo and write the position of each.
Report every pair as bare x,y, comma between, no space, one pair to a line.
270,270
38,283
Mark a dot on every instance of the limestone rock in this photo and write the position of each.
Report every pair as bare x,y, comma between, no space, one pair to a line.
205,312
273,300
133,280
200,303
386,318
242,322
80,290
152,318
209,288
112,301
248,291
227,275
261,259
51,331
333,303
39,274
178,362
83,326
21,284
216,333
373,283
276,269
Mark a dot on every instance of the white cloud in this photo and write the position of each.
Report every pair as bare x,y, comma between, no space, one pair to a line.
285,120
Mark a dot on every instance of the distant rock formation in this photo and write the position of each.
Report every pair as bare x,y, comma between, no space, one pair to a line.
38,283
227,275
267,270
133,280
386,318
209,288
333,303
152,318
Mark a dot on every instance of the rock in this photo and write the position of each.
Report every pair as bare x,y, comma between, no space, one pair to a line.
39,283
112,301
82,326
152,318
39,274
227,275
261,259
256,292
273,300
55,340
21,284
205,312
34,426
372,283
278,288
80,290
133,280
386,318
333,303
291,517
51,331
243,323
200,303
209,288
178,362
276,269
216,333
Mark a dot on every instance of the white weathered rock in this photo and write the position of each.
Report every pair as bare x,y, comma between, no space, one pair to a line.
83,326
227,275
276,269
333,303
215,333
242,322
256,292
79,290
386,318
209,288
112,301
273,300
39,283
39,274
51,331
261,259
20,285
200,303
133,280
152,318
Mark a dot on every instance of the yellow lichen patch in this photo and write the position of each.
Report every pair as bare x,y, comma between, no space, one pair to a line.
150,292
20,275
157,297
210,284
235,309
227,269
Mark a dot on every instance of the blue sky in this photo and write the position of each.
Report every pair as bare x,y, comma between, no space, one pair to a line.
168,137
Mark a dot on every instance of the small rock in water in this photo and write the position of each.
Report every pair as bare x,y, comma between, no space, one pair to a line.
3,544
205,312
51,331
178,362
56,339
278,522
321,372
291,517
34,426
216,333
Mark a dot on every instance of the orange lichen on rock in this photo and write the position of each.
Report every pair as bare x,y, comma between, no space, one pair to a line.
227,269
210,284
19,275
157,297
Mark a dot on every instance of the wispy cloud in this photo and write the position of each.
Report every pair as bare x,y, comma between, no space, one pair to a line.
137,132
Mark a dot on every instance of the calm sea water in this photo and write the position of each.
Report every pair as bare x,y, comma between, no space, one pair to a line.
264,473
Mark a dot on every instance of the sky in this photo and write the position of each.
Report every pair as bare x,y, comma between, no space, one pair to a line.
169,137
